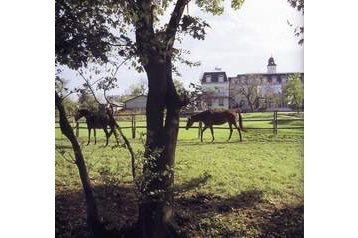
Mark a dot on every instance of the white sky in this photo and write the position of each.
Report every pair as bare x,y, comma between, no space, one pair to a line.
237,42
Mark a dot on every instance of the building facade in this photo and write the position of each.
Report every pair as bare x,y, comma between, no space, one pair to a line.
215,88
249,92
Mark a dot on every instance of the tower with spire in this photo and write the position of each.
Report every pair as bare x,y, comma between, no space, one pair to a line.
271,66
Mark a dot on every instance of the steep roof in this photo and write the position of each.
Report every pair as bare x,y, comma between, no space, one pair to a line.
130,99
214,76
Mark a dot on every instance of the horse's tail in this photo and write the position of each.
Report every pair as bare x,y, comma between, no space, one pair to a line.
240,122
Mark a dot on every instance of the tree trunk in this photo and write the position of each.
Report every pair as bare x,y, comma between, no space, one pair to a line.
94,226
156,212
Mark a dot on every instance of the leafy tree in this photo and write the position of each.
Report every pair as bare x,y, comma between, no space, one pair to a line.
179,86
87,100
249,89
61,87
70,106
88,30
138,89
299,30
293,91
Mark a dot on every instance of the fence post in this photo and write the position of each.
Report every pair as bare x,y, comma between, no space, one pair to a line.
133,126
275,122
199,130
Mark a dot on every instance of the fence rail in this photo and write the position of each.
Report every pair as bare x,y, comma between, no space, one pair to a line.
134,120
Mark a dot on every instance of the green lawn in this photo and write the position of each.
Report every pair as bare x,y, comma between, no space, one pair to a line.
248,189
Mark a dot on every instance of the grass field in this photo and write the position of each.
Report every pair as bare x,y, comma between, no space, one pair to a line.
248,189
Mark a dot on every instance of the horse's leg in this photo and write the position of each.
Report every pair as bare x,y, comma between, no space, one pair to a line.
107,135
94,133
212,133
202,131
89,136
230,125
238,129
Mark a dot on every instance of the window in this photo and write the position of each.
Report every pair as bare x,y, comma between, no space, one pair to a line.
221,102
208,78
221,78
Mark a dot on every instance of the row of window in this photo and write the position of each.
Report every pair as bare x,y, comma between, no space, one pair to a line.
209,102
269,80
244,79
220,78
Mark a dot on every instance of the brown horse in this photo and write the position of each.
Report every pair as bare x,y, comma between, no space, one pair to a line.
96,120
212,117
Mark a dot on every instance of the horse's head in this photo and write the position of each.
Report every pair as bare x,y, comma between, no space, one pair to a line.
189,123
78,115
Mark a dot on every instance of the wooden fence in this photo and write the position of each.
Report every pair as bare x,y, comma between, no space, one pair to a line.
134,119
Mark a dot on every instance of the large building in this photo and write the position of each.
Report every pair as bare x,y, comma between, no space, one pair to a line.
215,87
258,91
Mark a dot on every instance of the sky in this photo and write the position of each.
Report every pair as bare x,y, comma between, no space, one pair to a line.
238,42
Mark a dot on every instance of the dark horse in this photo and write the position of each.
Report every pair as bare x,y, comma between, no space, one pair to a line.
96,120
212,117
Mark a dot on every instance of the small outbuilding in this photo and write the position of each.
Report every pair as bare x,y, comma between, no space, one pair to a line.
138,102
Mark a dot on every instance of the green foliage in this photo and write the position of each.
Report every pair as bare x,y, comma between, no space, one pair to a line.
293,91
83,31
86,100
137,89
91,31
193,26
215,6
70,106
179,86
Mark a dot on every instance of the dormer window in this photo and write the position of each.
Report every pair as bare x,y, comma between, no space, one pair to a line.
208,78
221,78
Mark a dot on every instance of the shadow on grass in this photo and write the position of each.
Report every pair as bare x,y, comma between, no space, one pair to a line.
198,215
117,207
205,203
193,183
285,222
244,215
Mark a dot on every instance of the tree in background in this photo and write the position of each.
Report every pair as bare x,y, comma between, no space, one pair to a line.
138,89
179,86
249,89
61,88
293,91
87,100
